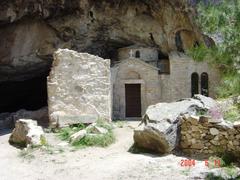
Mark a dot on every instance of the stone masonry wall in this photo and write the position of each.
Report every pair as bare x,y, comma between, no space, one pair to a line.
201,135
79,88
177,84
134,71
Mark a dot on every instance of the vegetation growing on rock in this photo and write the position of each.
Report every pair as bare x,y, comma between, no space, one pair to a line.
221,21
90,138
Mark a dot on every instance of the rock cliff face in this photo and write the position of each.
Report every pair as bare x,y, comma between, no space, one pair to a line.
31,30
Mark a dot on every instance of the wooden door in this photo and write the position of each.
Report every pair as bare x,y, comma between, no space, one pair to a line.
133,100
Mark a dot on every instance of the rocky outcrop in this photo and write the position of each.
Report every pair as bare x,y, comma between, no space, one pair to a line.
26,133
78,88
96,27
162,120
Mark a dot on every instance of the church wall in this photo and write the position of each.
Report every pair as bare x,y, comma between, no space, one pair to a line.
177,84
146,54
148,78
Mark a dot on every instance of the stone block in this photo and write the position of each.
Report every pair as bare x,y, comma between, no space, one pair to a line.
79,88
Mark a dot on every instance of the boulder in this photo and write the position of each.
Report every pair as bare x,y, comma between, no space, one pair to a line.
157,137
160,133
27,132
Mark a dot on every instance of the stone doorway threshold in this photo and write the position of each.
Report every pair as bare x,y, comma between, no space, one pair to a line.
133,119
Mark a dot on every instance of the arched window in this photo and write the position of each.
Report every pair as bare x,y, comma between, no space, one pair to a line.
164,66
178,41
137,55
194,83
204,84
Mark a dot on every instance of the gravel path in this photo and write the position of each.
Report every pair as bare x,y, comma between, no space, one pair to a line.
62,162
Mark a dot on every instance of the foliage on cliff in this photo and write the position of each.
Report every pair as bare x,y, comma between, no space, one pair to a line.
221,20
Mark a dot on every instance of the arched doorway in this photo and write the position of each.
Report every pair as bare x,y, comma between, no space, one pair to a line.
194,83
137,55
204,84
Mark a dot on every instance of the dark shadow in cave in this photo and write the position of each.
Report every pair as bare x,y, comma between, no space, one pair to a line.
108,49
28,94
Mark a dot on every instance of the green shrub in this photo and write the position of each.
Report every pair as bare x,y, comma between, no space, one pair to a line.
233,114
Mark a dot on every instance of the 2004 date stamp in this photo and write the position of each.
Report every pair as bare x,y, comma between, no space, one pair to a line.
192,162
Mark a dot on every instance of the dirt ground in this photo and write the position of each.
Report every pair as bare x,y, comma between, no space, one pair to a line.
62,162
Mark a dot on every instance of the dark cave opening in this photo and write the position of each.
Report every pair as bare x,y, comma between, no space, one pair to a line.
29,94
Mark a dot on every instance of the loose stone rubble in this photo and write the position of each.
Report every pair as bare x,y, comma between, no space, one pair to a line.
78,88
27,132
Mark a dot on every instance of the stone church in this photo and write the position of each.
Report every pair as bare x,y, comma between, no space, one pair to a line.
143,76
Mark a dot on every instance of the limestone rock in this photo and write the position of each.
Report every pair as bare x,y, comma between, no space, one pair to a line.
236,124
27,132
78,88
207,102
214,131
163,120
41,115
78,136
88,26
171,111
96,129
161,138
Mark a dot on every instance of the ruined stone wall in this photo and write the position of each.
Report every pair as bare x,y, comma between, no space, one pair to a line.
78,88
201,135
177,84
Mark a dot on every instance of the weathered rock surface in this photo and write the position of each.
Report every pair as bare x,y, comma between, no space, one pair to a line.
78,136
162,120
27,132
7,120
96,27
157,137
78,88
95,129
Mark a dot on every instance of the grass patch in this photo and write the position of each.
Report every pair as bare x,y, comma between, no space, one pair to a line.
233,114
101,140
91,139
65,133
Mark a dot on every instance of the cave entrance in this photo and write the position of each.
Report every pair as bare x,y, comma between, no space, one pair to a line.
29,94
